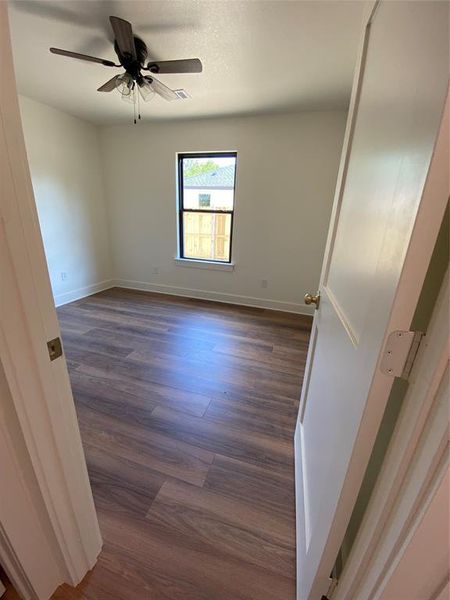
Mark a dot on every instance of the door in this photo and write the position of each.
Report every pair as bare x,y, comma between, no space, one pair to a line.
395,113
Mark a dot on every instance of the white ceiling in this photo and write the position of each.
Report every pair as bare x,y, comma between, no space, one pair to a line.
258,56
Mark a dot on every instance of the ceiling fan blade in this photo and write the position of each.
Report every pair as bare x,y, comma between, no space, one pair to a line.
109,86
102,61
187,65
123,33
162,89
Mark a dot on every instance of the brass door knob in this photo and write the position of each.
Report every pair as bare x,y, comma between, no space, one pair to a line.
309,299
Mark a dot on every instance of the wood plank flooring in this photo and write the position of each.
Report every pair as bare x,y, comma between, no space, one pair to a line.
187,410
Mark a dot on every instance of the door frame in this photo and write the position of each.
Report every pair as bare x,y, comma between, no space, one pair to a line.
415,467
428,220
39,389
32,564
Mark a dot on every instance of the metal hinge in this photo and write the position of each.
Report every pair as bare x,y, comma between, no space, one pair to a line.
400,353
331,588
54,348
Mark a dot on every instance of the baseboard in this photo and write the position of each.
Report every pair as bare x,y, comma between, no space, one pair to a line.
160,288
73,295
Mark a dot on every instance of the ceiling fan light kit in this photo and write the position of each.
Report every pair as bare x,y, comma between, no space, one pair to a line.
132,53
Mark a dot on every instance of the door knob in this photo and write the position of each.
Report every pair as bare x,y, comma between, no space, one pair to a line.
309,299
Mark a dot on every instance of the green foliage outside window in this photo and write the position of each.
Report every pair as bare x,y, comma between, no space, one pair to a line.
192,167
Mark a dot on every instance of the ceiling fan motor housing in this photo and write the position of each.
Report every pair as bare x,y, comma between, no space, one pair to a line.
131,65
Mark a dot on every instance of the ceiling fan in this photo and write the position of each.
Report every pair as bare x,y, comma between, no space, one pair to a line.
133,54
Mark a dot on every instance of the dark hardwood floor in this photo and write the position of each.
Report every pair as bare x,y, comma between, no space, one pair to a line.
187,410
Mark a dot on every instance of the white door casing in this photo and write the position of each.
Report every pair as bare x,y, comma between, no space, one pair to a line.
410,503
395,113
27,550
40,389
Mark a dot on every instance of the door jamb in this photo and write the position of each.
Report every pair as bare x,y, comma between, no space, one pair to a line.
40,390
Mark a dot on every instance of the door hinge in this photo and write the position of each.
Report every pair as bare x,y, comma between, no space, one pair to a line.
54,348
331,588
400,353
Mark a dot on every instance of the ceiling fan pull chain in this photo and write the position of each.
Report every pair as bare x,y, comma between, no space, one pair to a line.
139,104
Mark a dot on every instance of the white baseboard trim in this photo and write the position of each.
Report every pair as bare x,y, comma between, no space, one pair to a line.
161,288
73,295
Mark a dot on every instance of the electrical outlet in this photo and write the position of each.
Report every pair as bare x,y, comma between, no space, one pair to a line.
63,276
155,270
264,283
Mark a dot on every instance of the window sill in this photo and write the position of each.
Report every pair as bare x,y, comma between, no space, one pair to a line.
204,264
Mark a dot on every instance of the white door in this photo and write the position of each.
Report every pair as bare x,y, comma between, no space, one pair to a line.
395,114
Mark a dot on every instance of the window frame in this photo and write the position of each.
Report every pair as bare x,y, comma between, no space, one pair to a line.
181,210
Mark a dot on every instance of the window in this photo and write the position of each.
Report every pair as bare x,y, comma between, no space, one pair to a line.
206,185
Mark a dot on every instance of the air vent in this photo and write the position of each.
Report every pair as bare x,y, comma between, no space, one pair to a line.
182,94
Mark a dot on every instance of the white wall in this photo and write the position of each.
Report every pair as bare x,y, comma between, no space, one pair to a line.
286,174
66,170
90,181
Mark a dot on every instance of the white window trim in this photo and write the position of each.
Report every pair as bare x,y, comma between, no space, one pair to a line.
210,265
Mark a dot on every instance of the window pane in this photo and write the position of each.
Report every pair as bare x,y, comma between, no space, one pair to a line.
207,236
209,182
